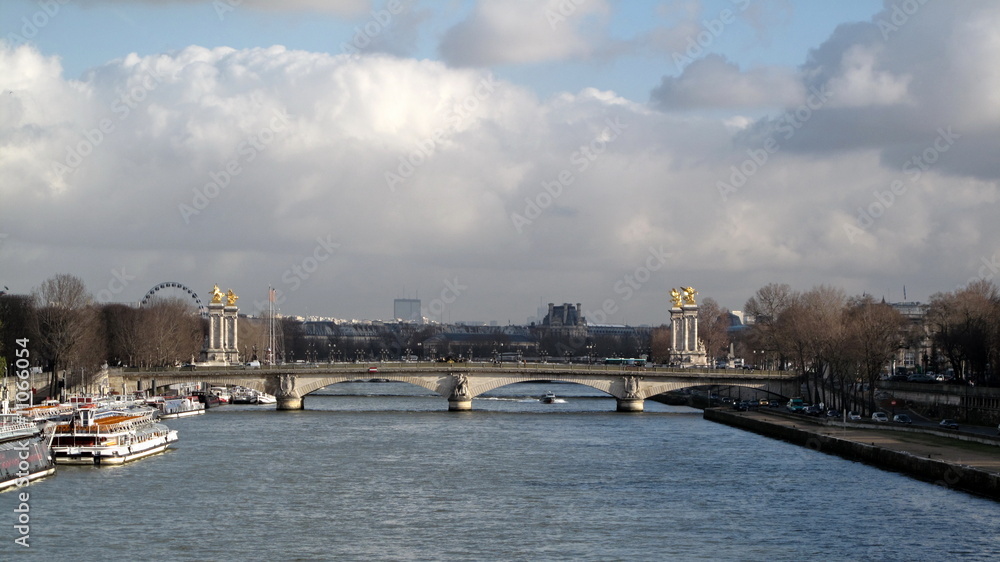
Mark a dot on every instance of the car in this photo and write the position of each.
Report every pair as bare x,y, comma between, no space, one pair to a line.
832,414
948,424
902,418
853,416
880,417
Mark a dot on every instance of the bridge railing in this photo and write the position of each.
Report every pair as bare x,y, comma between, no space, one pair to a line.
371,368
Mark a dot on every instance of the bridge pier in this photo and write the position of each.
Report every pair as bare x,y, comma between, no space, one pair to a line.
630,404
289,402
459,405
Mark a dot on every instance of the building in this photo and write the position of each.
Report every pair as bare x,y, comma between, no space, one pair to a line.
407,310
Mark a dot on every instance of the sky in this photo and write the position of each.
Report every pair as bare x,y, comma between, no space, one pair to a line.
491,156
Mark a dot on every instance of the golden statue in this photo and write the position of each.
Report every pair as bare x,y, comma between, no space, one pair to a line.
231,298
216,295
689,294
676,295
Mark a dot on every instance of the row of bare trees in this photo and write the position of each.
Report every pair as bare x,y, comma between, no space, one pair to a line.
71,337
965,328
842,345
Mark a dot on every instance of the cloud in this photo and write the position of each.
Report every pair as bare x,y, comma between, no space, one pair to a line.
525,31
342,180
713,82
341,7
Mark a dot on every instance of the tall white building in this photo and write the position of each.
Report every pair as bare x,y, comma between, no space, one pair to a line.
407,310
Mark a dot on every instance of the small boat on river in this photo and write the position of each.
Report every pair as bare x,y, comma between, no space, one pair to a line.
548,398
171,407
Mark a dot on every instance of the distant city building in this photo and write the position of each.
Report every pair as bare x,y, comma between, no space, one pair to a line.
407,310
565,315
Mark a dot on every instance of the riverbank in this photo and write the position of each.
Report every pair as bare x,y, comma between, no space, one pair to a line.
972,467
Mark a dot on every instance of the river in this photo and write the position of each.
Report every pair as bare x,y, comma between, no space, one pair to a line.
382,471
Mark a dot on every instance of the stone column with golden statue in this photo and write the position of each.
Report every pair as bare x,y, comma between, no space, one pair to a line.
221,348
686,347
229,317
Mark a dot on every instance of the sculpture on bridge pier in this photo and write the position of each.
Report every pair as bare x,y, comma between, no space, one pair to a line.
632,387
461,390
286,383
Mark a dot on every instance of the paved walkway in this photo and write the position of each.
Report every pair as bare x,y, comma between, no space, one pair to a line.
978,455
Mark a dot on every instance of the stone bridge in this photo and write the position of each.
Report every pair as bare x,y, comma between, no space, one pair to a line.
461,382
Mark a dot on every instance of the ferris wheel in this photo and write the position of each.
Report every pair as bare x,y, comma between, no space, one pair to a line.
170,289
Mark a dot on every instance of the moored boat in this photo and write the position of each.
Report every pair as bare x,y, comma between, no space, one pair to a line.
25,451
110,437
264,398
208,399
176,407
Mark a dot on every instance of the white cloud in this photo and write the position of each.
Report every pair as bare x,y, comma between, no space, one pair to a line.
307,140
524,31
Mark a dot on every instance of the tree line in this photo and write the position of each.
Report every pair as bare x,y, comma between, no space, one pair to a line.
842,345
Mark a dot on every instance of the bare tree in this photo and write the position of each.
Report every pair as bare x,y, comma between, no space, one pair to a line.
713,328
62,303
170,333
122,323
875,334
766,307
660,344
964,327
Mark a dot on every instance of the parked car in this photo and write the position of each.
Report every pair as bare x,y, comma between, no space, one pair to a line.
853,416
832,414
880,417
948,424
902,418
812,411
